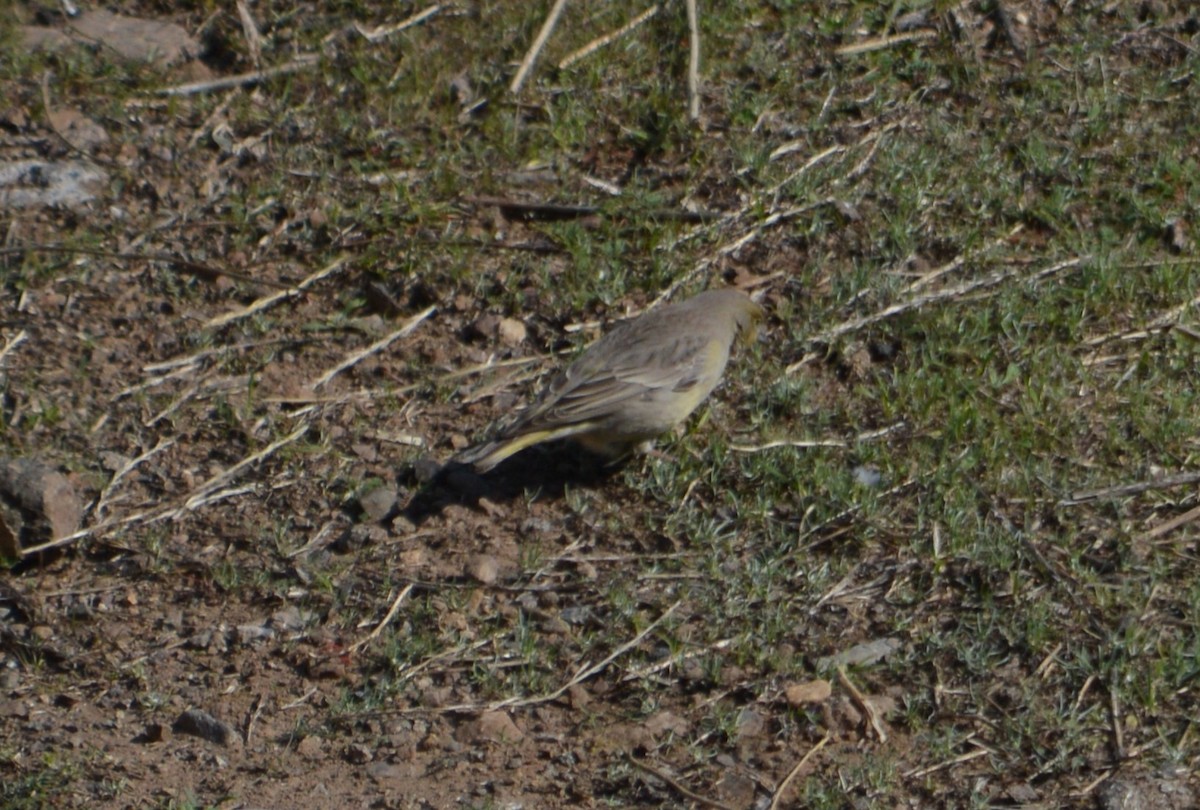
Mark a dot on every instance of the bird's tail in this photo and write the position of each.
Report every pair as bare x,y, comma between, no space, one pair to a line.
484,457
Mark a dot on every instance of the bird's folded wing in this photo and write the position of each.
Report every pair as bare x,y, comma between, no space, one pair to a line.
583,394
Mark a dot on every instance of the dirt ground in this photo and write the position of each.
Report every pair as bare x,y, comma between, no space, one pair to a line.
274,604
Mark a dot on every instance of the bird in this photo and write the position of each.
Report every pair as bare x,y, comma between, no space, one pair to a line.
635,383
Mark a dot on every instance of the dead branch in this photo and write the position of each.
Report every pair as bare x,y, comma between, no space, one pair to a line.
599,42
532,55
16,341
1171,525
946,294
271,300
777,798
867,436
579,677
378,346
959,260
879,43
254,38
384,31
552,212
1158,324
241,79
128,467
675,785
693,79
220,479
868,708
404,592
1125,490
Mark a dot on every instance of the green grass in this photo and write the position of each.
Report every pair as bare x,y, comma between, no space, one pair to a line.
1031,624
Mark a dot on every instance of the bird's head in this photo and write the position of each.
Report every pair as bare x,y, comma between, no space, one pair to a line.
749,317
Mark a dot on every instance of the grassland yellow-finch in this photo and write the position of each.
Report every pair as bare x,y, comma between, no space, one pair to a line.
638,381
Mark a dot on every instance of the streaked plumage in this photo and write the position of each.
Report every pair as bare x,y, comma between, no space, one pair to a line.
638,381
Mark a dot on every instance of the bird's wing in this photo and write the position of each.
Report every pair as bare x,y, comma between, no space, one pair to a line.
588,391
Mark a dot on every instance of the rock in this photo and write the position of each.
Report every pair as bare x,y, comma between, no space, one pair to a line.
248,634
137,39
358,754
511,332
1177,236
867,476
152,733
802,694
483,568
496,727
578,697
36,504
288,619
666,722
366,451
750,724
493,510
77,129
311,748
736,789
201,724
485,327
43,38
1166,789
382,772
34,183
861,654
378,503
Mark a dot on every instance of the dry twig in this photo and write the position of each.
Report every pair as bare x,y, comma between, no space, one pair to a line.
869,435
879,43
259,701
1117,722
868,708
205,271
693,79
254,39
71,145
378,346
404,592
148,516
613,36
16,341
959,260
1125,490
579,677
106,493
946,294
532,55
920,773
384,31
777,798
675,660
271,300
675,785
1171,525
1163,321
219,480
533,210
241,79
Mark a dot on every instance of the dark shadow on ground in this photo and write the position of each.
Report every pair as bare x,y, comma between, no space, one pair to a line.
546,470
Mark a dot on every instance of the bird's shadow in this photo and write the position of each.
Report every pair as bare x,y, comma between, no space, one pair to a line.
546,469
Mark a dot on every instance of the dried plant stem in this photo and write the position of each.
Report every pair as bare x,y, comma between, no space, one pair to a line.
532,54
693,80
599,42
